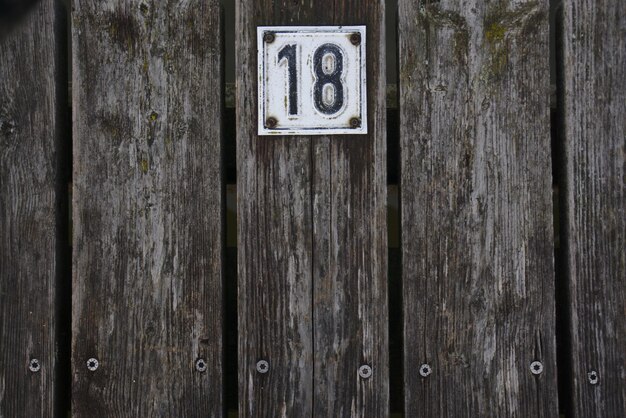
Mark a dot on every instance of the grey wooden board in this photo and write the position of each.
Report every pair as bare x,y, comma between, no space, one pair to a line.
312,241
31,99
148,208
477,258
594,69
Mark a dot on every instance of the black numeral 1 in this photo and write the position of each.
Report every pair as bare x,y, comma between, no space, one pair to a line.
289,53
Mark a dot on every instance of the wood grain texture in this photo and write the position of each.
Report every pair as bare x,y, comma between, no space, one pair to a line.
350,313
148,208
478,270
32,97
594,70
312,240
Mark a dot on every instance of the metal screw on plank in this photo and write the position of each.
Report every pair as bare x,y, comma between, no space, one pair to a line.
269,37
271,123
593,377
262,366
425,370
92,364
201,365
34,365
355,38
365,371
355,123
536,367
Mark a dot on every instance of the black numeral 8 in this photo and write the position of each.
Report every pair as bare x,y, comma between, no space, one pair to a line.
324,78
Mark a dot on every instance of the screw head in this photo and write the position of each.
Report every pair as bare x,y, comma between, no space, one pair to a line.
271,123
262,366
593,378
536,367
201,365
425,370
269,37
34,365
355,123
355,38
92,364
365,371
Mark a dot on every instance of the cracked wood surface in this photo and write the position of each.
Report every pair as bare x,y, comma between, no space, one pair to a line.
477,258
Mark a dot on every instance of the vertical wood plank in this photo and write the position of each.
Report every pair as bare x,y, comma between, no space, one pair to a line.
478,274
32,102
274,239
350,315
312,241
594,82
148,208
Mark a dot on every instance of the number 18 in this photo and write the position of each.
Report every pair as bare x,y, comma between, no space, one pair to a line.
328,89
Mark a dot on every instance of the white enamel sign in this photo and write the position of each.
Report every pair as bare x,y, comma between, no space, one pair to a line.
312,80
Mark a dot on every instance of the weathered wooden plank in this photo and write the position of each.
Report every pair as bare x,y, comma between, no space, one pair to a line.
148,208
32,99
312,241
594,176
478,274
350,316
274,240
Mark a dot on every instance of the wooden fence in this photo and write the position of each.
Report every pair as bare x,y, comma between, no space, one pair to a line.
504,295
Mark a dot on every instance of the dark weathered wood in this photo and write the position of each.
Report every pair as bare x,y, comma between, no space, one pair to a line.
148,208
13,13
349,196
594,81
32,97
312,241
478,274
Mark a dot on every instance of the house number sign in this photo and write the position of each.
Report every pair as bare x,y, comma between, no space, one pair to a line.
312,80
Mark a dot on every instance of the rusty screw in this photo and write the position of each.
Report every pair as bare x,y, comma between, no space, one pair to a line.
355,123
355,38
271,123
269,37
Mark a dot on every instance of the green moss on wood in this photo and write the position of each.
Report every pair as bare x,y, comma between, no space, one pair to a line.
501,27
495,32
144,166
